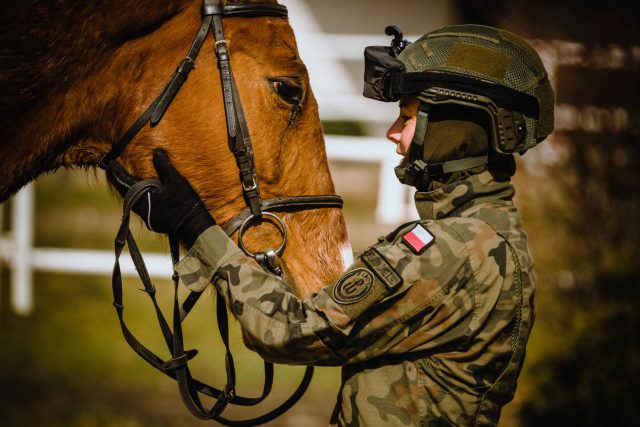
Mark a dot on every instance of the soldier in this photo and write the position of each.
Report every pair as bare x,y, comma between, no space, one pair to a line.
430,323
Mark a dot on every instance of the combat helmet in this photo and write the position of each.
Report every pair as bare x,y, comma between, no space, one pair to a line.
473,66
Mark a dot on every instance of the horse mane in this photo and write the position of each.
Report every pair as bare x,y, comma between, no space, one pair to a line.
47,45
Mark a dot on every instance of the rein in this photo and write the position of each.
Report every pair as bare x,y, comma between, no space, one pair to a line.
213,12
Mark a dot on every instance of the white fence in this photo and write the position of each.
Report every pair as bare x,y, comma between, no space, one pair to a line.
18,252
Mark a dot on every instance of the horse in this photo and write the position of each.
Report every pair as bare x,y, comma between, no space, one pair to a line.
74,76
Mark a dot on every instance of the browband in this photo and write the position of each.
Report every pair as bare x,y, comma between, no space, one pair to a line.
246,10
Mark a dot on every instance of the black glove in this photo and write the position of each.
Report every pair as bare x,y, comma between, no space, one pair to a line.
174,209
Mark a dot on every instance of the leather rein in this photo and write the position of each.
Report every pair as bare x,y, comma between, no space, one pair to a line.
213,12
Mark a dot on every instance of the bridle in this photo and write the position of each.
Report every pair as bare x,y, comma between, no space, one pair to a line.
213,12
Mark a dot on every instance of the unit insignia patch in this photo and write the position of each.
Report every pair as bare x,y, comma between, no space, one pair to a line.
353,286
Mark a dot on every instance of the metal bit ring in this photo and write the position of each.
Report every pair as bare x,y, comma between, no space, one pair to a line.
273,218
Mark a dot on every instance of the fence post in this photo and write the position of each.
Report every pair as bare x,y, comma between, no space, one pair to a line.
21,274
392,196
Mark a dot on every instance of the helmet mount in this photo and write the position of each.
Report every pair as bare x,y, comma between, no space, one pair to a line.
399,43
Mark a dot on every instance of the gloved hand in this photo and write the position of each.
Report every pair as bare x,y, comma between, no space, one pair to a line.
174,209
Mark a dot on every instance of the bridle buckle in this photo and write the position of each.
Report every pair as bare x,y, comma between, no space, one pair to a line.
252,186
228,394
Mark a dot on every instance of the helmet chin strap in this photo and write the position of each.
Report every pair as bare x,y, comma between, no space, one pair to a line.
418,173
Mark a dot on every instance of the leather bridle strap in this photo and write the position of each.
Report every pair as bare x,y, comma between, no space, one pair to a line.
241,146
154,113
285,204
177,367
189,392
124,238
237,129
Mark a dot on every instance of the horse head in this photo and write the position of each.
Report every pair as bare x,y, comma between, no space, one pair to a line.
121,54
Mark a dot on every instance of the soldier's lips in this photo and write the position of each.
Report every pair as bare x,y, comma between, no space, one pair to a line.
400,151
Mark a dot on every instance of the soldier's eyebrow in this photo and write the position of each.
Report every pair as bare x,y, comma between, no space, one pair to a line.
406,102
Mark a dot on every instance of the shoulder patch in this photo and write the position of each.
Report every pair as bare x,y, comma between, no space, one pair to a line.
353,286
418,239
381,268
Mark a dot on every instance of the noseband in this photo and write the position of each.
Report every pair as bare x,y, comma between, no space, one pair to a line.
257,210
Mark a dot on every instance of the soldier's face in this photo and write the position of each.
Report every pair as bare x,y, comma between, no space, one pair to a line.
402,130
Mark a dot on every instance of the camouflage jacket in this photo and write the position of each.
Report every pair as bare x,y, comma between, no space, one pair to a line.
430,323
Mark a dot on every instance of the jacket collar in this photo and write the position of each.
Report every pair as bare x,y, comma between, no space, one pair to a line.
455,198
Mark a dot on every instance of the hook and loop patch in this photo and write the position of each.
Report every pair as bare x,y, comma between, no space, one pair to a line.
418,239
382,268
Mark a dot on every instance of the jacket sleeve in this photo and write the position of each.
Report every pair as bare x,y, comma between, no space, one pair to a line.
331,327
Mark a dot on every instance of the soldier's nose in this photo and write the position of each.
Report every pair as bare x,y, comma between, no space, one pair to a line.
394,133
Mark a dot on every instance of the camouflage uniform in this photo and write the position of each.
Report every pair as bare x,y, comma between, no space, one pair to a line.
435,338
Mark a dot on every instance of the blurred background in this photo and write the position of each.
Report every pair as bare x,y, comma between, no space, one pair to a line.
63,360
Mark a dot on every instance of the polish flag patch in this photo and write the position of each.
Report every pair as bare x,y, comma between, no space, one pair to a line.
418,239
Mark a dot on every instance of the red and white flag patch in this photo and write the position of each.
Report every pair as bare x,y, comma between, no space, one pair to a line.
418,239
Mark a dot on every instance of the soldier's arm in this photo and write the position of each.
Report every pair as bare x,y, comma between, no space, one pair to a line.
276,323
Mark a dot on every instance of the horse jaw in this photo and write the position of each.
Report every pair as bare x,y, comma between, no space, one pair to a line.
315,256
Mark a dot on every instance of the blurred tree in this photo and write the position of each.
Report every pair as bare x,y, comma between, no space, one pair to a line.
593,50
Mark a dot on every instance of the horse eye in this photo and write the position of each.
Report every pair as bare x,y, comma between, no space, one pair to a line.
289,90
